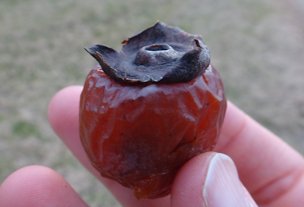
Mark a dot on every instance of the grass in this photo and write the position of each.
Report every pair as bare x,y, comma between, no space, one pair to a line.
23,129
42,51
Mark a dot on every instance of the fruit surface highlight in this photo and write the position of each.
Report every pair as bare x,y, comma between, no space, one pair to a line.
149,108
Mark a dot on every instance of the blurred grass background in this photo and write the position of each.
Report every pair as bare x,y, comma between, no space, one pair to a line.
258,47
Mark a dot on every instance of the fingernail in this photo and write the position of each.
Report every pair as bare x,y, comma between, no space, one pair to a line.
222,186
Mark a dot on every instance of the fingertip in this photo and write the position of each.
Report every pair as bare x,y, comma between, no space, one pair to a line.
37,186
209,179
222,186
63,108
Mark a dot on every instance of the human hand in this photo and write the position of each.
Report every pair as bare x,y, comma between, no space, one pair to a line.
270,170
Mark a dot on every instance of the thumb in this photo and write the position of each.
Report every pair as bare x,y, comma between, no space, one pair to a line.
210,180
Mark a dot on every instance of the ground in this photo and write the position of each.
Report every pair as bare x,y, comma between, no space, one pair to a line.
258,47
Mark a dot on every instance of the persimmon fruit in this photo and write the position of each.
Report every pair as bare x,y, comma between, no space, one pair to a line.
148,109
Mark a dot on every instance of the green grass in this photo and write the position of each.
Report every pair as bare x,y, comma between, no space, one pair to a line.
24,129
42,51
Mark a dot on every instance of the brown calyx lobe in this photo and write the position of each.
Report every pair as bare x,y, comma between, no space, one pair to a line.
158,54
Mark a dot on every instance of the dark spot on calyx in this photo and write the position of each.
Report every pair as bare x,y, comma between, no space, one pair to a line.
158,54
157,47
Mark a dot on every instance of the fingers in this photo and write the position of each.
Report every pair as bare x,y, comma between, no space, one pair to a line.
37,186
63,117
209,180
269,168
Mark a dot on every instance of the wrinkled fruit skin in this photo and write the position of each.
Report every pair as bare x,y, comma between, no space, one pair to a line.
141,135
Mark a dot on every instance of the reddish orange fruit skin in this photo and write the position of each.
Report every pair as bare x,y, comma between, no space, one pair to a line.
140,135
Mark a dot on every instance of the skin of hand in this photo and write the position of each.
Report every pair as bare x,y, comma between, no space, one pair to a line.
250,167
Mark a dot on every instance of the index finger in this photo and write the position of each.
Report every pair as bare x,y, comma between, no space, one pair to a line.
271,170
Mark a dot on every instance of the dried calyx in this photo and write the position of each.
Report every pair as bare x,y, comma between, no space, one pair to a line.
158,54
